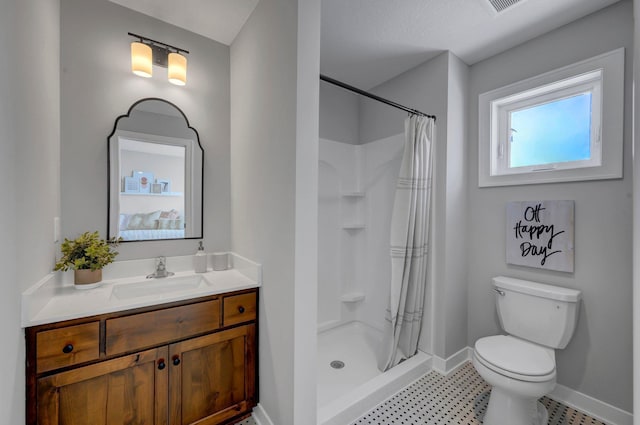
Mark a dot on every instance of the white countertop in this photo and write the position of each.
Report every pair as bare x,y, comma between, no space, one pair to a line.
51,301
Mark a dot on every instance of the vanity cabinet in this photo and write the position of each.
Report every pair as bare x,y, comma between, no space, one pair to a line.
175,364
213,377
127,390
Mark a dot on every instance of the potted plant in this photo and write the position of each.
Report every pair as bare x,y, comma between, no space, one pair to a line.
87,255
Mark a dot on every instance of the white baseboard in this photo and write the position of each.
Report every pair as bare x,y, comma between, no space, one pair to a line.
453,362
260,416
600,410
595,408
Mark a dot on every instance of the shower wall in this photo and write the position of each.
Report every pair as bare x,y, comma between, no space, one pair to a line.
339,239
356,192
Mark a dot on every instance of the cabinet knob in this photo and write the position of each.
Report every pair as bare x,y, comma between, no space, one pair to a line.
176,360
161,364
241,309
67,348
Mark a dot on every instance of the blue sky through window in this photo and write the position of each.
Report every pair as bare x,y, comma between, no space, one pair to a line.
558,131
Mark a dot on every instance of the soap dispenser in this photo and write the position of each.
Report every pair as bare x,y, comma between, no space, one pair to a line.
200,260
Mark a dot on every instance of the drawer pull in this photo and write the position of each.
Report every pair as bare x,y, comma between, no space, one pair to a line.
67,348
241,309
176,360
161,364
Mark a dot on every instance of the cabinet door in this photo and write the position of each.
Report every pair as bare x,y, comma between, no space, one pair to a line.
127,390
212,378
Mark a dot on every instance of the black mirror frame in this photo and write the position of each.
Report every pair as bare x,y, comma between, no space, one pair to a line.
115,128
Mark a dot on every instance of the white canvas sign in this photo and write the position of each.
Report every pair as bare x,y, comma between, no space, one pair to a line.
540,234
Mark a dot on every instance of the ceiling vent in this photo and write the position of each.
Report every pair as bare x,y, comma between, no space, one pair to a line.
500,5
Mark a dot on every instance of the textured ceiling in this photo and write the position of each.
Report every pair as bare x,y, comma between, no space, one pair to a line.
366,42
219,20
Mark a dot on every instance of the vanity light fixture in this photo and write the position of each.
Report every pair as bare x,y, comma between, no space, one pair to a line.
147,52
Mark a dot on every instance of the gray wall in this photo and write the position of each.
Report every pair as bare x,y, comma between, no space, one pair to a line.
452,308
97,86
598,361
274,127
423,87
636,214
437,87
339,114
29,168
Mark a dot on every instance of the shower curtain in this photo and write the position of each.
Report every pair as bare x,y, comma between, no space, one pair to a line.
409,242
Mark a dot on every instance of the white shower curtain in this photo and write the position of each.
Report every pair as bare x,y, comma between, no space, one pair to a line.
409,242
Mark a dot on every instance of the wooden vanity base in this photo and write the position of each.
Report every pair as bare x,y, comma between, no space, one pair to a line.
180,363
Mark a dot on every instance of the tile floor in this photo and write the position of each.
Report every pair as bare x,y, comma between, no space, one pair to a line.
459,399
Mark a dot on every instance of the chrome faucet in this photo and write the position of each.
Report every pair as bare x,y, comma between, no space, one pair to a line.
161,269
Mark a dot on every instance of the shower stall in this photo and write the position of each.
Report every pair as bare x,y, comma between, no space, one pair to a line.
356,188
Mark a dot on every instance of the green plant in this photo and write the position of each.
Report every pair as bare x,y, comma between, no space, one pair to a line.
86,252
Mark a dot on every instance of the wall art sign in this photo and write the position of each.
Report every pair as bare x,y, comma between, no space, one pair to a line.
540,234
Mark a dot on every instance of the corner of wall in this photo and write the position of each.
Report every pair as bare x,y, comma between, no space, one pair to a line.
29,166
273,58
305,315
450,203
636,212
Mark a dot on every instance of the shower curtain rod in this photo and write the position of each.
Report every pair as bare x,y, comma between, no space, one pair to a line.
373,96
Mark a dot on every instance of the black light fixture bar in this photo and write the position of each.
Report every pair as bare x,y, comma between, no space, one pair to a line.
373,96
153,42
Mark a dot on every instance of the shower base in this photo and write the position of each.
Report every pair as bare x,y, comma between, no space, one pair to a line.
345,393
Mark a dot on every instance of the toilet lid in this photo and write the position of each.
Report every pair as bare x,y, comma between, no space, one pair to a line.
515,355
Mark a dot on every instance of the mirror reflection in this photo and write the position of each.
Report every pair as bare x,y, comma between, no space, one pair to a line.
155,174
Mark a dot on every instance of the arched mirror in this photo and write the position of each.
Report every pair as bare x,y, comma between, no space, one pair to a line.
155,174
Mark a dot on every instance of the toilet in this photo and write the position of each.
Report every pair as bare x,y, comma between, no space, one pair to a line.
521,366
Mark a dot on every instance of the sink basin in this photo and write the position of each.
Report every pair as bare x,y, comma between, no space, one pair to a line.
151,287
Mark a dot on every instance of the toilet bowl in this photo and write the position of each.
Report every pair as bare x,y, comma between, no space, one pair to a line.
520,366
519,373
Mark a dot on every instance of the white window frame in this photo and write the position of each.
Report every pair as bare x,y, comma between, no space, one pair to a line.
501,110
602,76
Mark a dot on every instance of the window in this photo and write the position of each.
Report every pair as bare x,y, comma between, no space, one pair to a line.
547,128
566,138
552,127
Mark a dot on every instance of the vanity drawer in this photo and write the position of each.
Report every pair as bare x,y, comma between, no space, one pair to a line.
239,309
137,331
67,346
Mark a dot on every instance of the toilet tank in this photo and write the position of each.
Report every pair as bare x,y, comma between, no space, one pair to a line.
536,312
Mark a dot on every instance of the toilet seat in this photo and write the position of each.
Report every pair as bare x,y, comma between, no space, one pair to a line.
516,358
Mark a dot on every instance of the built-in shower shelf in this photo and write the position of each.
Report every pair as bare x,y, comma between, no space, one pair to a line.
353,226
353,194
352,297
